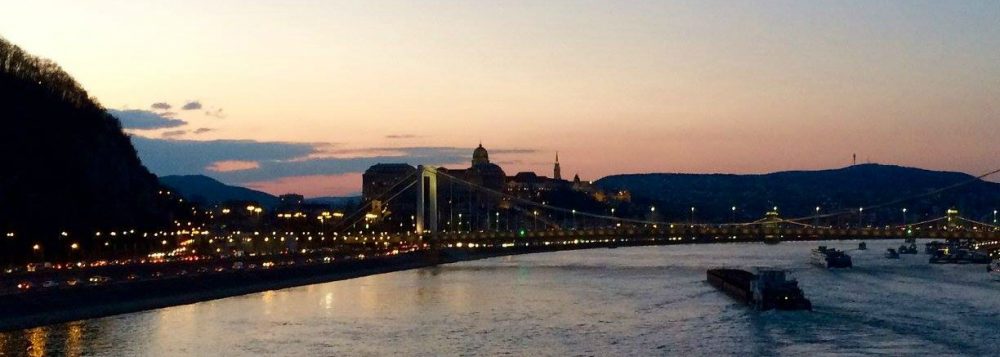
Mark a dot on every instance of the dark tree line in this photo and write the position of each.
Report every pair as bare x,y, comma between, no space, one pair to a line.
65,164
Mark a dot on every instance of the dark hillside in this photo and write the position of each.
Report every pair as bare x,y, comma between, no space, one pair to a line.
797,193
66,164
208,191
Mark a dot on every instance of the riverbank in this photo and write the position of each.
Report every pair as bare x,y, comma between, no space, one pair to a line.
47,307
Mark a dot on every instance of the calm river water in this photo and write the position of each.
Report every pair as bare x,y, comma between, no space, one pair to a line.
626,301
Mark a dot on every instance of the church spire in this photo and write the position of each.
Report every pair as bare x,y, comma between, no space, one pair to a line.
556,171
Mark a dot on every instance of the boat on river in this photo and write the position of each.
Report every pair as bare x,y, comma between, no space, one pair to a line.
767,289
831,258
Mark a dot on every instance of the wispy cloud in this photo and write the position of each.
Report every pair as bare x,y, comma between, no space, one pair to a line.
217,113
513,151
232,165
273,160
161,106
401,136
193,105
283,166
202,130
173,133
144,119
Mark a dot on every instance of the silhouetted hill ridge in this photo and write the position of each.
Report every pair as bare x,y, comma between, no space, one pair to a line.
797,193
206,190
66,164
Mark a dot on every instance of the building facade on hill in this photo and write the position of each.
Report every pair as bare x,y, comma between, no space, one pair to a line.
381,177
482,172
464,195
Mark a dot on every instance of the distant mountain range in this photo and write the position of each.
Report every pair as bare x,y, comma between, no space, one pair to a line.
206,190
798,193
795,193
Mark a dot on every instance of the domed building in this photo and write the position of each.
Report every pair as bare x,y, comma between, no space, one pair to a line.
480,155
482,172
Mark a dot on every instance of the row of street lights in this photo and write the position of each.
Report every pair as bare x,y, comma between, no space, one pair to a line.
861,210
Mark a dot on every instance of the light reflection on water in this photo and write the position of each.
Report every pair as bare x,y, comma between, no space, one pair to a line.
626,301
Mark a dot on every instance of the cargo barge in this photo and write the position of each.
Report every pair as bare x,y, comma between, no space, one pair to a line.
768,289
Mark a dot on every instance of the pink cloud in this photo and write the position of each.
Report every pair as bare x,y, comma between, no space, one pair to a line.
232,165
311,185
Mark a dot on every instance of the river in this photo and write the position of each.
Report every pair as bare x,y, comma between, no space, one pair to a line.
626,301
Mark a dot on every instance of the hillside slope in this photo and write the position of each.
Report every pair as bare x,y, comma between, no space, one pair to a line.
206,190
66,164
798,193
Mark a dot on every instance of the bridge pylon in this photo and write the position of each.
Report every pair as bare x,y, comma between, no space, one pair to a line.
427,191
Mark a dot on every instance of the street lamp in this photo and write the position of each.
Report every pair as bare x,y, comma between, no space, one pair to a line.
734,214
692,214
861,211
816,217
904,216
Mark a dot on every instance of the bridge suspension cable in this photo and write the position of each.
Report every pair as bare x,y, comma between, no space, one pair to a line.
560,209
979,223
359,213
353,218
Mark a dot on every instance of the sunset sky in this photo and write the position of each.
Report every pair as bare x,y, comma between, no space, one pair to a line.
301,96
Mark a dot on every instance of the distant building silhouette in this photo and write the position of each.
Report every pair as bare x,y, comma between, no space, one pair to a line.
381,177
463,207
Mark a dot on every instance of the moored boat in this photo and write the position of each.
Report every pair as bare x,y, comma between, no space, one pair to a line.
908,249
959,256
830,258
891,254
933,247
